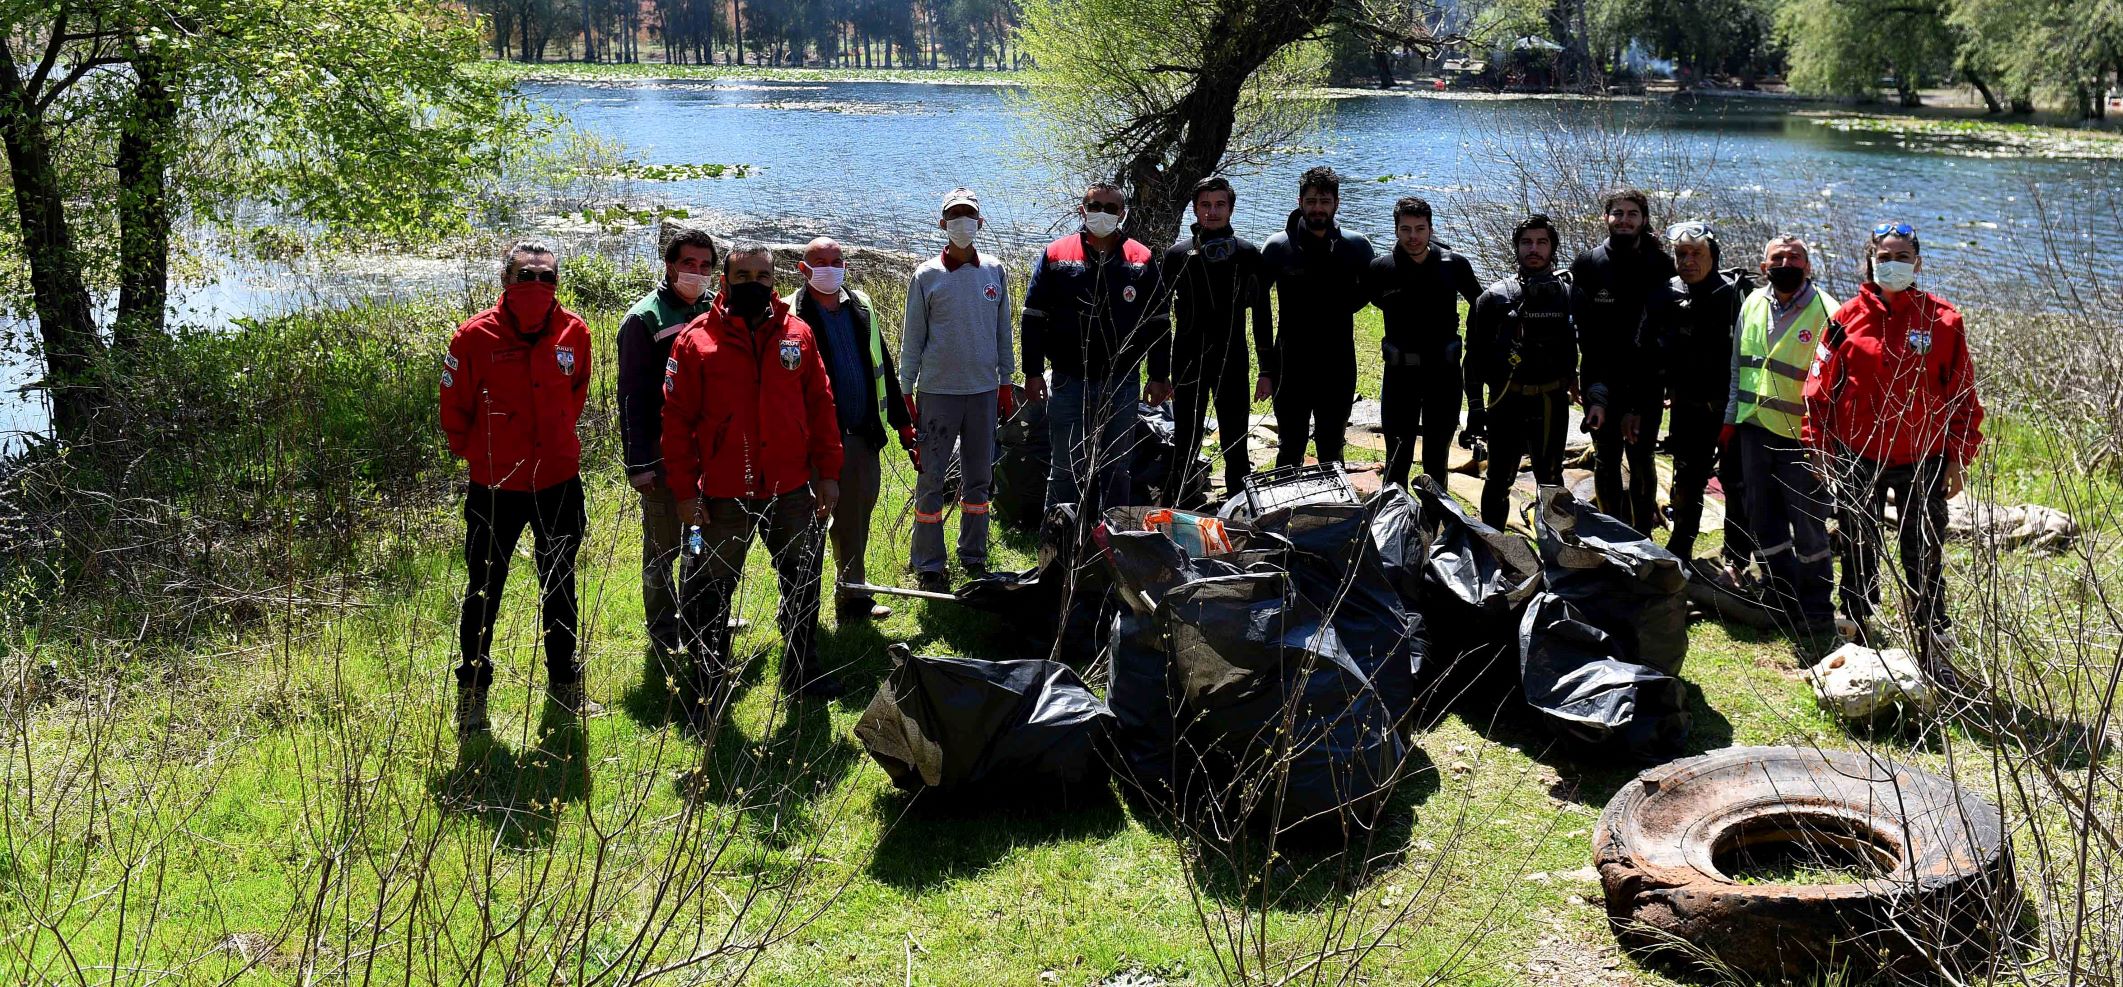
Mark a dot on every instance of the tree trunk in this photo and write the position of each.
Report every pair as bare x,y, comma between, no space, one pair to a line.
589,40
66,327
1990,99
1382,60
2023,103
737,30
144,151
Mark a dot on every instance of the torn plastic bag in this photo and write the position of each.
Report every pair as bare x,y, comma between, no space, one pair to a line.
1620,581
1575,675
963,724
1337,568
1473,589
1020,491
1144,564
1248,655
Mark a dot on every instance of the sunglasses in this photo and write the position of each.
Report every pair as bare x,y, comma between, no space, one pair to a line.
1112,208
1894,229
1690,231
526,276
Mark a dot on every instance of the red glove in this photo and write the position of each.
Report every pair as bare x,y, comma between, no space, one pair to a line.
913,410
907,442
1006,402
1725,436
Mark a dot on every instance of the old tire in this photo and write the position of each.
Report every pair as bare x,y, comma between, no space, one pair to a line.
1937,886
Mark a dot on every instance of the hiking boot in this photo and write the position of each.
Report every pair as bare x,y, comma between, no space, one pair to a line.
932,582
471,712
975,570
571,697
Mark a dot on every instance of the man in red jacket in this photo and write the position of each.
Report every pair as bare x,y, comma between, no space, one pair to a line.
1892,396
513,385
751,443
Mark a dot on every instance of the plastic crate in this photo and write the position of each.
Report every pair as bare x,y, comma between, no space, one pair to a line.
1290,486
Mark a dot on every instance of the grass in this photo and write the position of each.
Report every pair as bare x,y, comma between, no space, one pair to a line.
287,804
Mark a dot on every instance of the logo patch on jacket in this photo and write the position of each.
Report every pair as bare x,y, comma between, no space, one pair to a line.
991,292
1127,294
791,354
449,360
565,356
449,379
1806,335
1920,340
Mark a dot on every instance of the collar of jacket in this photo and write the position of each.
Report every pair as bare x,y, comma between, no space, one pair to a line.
777,313
1920,299
1297,228
1430,253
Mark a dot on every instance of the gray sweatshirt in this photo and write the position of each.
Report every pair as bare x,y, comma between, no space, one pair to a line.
957,338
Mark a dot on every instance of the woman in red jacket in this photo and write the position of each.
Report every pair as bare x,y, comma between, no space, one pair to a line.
1892,396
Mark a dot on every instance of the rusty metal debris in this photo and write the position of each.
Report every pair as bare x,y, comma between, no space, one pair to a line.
1922,873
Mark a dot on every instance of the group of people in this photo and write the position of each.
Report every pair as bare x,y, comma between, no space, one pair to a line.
748,414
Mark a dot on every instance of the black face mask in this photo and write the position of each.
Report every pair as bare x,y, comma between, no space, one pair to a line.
1787,279
749,298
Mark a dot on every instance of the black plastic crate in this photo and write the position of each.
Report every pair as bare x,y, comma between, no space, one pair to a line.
1290,486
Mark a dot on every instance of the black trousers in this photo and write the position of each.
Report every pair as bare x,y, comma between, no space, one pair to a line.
1219,376
1693,437
493,520
1638,505
1920,527
1520,425
1312,400
796,547
1420,402
1787,511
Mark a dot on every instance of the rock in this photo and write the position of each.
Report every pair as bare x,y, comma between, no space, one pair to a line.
1857,683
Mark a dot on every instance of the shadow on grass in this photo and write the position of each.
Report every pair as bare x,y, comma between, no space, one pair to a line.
776,779
933,839
519,794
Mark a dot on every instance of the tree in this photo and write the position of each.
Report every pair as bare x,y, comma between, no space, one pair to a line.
2065,50
1842,48
1158,94
119,117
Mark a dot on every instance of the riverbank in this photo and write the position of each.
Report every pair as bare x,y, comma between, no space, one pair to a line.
1962,135
281,797
648,72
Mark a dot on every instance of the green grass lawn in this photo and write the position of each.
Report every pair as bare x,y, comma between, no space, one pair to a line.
288,804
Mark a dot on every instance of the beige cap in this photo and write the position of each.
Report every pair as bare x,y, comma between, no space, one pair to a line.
962,196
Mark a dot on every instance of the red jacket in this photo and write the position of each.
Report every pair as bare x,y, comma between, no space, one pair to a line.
1893,382
510,401
747,414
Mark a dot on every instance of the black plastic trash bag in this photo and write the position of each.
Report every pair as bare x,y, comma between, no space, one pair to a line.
1249,658
1339,571
1059,599
1574,674
1474,585
1019,496
964,724
1619,580
1152,450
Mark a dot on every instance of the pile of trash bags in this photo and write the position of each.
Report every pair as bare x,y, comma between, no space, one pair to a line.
1270,670
1020,494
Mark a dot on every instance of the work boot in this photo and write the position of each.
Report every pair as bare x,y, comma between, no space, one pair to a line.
471,712
933,582
975,570
571,697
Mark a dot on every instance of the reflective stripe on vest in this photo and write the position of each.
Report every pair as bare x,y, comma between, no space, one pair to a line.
1772,378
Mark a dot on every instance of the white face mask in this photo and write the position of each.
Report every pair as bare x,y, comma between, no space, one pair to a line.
826,280
1101,223
690,285
1894,275
961,229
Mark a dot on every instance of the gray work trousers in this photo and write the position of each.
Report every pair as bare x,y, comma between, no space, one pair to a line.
965,424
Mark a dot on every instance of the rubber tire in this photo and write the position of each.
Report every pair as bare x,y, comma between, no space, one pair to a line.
1951,884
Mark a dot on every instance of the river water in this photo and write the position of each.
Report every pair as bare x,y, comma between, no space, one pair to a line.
869,162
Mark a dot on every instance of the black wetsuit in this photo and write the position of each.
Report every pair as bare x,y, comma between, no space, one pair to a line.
1522,349
1419,302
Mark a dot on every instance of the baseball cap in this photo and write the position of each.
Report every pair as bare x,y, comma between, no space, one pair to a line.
962,196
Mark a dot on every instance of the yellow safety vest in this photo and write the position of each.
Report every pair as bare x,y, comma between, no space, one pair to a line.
1775,351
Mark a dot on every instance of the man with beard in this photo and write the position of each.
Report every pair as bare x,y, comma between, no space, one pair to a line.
1522,349
1624,282
1215,278
1318,271
1417,288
